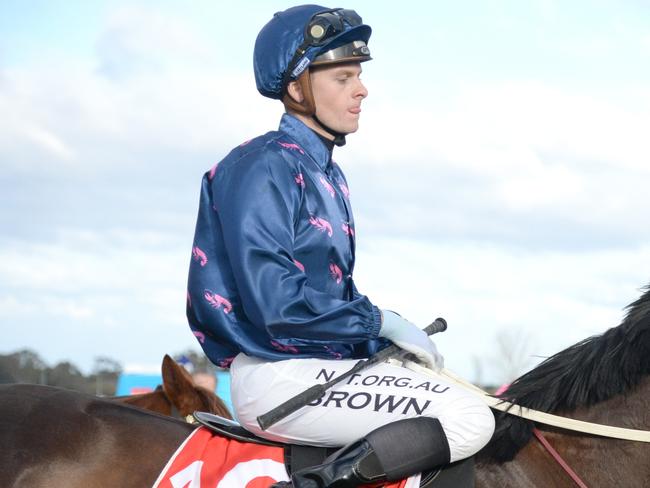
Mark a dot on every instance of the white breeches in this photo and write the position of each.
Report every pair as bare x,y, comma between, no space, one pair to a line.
351,409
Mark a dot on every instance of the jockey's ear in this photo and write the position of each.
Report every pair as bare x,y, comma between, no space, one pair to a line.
294,90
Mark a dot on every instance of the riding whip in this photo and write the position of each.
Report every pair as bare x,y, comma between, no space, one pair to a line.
315,392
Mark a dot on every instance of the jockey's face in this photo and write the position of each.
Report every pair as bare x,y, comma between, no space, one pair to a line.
338,92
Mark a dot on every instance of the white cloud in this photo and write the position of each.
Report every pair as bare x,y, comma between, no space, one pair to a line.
137,39
480,125
114,293
142,368
104,124
518,162
70,309
169,94
541,185
645,42
88,261
555,298
49,142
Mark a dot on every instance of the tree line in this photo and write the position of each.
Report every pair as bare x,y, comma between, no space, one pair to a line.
26,366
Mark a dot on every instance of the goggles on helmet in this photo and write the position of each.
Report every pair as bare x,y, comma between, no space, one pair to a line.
320,29
325,25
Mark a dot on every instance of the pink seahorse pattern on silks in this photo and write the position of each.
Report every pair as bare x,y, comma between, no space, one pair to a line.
283,348
199,335
321,224
336,273
336,355
189,299
213,170
299,179
344,188
199,256
245,142
347,229
225,363
217,301
327,186
291,146
299,265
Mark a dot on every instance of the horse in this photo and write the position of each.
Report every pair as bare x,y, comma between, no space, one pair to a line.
63,438
179,396
57,437
603,379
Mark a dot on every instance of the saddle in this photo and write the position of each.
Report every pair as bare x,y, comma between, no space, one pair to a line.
455,475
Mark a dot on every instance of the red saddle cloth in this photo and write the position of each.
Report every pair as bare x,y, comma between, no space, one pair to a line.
206,460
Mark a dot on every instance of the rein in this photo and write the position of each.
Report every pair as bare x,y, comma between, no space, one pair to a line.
556,455
538,416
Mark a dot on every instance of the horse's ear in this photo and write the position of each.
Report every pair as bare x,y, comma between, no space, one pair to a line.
175,374
178,386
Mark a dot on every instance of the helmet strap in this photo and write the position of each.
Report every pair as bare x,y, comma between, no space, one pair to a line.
339,137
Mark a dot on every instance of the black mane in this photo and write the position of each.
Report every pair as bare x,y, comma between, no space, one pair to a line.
586,373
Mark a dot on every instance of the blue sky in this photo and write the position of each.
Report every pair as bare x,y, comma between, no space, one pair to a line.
499,177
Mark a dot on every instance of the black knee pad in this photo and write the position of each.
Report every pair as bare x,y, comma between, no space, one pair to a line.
410,446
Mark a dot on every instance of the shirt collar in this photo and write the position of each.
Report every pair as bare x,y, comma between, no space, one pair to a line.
307,139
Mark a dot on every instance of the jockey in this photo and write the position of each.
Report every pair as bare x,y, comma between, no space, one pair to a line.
270,289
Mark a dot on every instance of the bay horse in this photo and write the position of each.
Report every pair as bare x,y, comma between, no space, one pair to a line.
604,379
54,437
179,396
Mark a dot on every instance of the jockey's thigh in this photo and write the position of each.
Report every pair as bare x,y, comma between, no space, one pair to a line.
382,394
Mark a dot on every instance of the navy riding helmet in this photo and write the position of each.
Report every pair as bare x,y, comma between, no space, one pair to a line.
304,36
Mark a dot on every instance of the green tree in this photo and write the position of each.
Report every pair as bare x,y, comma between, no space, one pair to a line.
23,366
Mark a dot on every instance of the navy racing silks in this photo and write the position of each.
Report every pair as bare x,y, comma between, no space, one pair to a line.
273,255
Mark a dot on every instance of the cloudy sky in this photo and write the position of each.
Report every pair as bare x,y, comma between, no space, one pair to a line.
499,178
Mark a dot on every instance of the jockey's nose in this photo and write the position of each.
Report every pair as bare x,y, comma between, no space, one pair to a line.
361,90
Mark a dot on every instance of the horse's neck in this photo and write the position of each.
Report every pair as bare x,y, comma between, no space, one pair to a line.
601,461
155,401
598,461
627,410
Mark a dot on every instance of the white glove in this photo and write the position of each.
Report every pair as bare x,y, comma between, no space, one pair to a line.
411,338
